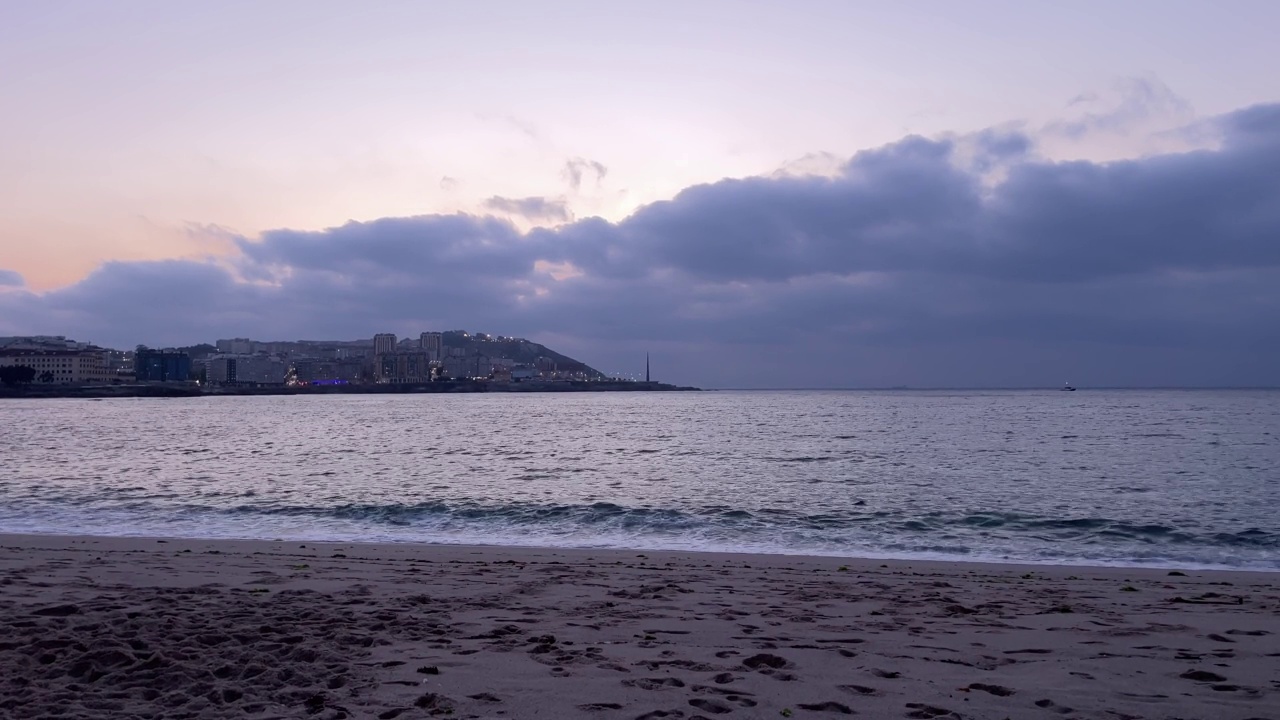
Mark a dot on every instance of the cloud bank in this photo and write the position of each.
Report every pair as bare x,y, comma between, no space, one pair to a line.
907,265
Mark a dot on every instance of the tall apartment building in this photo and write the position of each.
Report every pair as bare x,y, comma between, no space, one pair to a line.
384,343
432,343
60,367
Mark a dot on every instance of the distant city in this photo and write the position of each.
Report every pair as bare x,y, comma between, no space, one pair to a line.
384,359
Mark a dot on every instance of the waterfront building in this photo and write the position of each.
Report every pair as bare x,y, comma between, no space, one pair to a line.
403,367
161,365
60,367
384,343
246,370
432,343
327,372
475,366
236,346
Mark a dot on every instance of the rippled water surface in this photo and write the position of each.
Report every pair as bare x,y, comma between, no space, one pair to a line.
1132,477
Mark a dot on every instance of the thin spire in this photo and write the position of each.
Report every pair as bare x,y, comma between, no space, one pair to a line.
646,367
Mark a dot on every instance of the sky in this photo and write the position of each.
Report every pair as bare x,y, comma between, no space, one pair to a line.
759,194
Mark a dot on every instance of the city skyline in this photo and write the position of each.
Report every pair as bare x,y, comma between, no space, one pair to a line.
820,199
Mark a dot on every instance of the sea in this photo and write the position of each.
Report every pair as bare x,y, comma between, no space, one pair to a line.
1171,478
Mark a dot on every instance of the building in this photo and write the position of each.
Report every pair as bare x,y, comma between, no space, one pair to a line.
60,367
161,365
475,366
432,343
399,363
402,367
384,343
119,363
327,372
246,370
42,342
236,346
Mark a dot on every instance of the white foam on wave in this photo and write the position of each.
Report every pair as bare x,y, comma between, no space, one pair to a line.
310,529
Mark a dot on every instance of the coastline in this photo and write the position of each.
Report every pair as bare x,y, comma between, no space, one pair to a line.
185,390
341,630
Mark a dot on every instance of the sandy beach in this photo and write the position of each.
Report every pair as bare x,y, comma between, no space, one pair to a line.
145,628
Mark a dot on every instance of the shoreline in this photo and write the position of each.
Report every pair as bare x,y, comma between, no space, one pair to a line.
186,390
415,549
424,545
159,627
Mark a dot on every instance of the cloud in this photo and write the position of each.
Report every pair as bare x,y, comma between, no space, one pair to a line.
525,127
575,169
1131,104
962,260
822,164
531,208
9,278
449,184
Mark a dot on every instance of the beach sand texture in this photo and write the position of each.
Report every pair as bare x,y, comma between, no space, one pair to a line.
142,628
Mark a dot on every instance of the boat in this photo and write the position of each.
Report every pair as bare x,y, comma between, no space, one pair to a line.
1066,387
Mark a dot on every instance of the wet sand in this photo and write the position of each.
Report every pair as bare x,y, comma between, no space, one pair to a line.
144,628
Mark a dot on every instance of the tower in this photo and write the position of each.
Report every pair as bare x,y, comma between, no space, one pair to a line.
384,343
432,344
646,367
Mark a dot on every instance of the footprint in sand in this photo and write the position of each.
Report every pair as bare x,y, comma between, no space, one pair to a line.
720,707
731,693
1048,704
886,674
1202,676
765,660
655,683
594,707
997,690
829,706
1235,688
660,714
924,712
859,689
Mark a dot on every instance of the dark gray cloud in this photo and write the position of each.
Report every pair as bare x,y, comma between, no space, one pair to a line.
531,208
9,278
912,264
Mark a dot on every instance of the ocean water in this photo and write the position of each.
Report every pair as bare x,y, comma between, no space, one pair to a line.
1167,478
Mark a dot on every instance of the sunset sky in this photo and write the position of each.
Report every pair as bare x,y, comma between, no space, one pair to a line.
759,193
